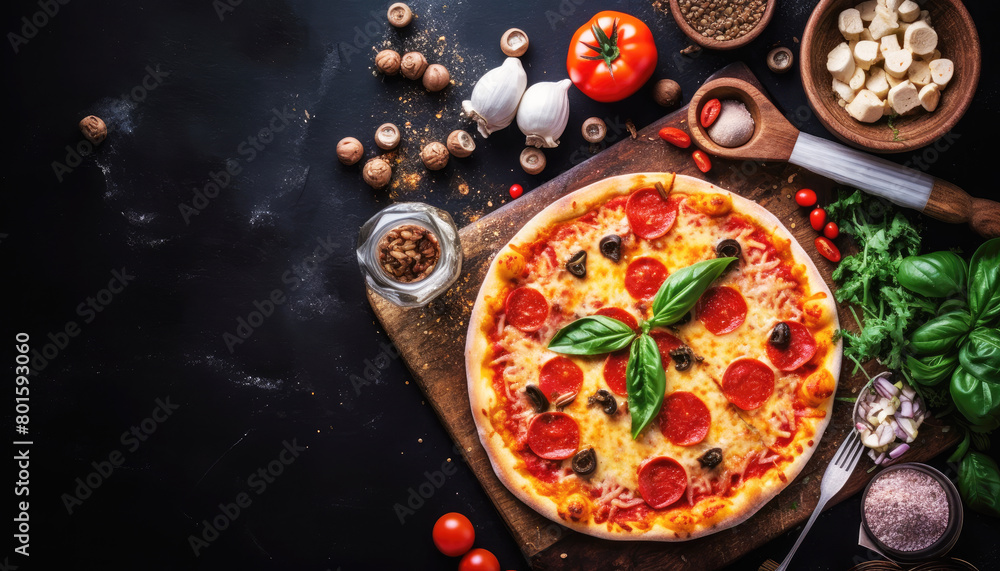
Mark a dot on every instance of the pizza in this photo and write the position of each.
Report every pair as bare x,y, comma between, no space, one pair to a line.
620,396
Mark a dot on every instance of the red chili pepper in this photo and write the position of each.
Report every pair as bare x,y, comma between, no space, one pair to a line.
827,249
831,230
516,190
675,137
710,112
817,219
702,160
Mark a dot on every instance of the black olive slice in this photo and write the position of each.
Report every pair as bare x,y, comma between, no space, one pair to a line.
607,401
711,459
728,248
684,357
611,247
537,398
577,265
780,335
585,462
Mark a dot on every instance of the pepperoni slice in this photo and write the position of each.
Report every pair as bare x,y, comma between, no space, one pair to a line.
801,347
644,276
615,367
619,314
666,343
662,481
721,309
684,418
553,435
526,309
560,376
649,214
748,383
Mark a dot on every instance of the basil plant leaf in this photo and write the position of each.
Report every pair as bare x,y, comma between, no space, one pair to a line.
592,336
980,355
930,370
977,399
682,289
962,449
938,274
984,283
979,483
646,382
941,334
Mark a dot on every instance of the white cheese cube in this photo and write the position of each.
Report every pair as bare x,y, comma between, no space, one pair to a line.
867,10
920,38
866,107
866,53
929,96
887,13
897,63
904,97
886,108
882,26
894,81
843,91
840,62
893,5
849,23
941,71
858,79
877,82
889,43
919,73
908,11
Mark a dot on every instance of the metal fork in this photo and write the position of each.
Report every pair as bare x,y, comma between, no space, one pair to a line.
834,478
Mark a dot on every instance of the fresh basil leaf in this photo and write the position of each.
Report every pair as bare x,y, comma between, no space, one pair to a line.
941,334
977,399
962,449
979,483
930,370
592,335
980,355
681,290
938,274
646,382
950,305
984,283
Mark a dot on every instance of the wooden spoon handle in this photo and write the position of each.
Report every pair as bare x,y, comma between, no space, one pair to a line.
952,204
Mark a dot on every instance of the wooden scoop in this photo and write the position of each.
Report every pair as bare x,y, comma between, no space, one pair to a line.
775,139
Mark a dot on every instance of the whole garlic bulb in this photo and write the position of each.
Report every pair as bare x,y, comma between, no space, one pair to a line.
494,100
544,112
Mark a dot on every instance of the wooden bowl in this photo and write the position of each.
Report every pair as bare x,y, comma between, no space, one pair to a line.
957,41
712,43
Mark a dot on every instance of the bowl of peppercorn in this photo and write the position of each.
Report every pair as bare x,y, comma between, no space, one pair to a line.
722,24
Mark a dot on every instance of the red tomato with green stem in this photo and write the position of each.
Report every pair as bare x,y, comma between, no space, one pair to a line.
611,56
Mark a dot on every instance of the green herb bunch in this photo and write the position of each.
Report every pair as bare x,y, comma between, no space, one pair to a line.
645,377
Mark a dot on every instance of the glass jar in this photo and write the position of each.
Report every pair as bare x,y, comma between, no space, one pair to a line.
409,284
952,527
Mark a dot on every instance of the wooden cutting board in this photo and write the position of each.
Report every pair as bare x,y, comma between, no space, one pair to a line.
432,342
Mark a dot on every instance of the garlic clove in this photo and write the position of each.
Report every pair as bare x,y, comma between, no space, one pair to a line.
544,113
494,100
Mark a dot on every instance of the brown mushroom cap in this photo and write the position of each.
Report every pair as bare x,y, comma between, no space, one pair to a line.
399,15
387,136
514,42
594,130
460,143
532,160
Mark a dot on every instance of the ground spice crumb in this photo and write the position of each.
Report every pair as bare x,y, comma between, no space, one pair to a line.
722,20
907,510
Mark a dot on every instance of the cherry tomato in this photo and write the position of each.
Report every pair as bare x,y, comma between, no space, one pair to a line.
479,559
831,230
516,190
702,161
453,534
817,219
611,56
675,137
827,249
710,112
806,198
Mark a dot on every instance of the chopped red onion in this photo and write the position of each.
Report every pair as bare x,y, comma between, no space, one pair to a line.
899,451
906,409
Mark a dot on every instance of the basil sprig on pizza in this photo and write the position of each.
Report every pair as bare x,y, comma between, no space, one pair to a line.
645,376
630,380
